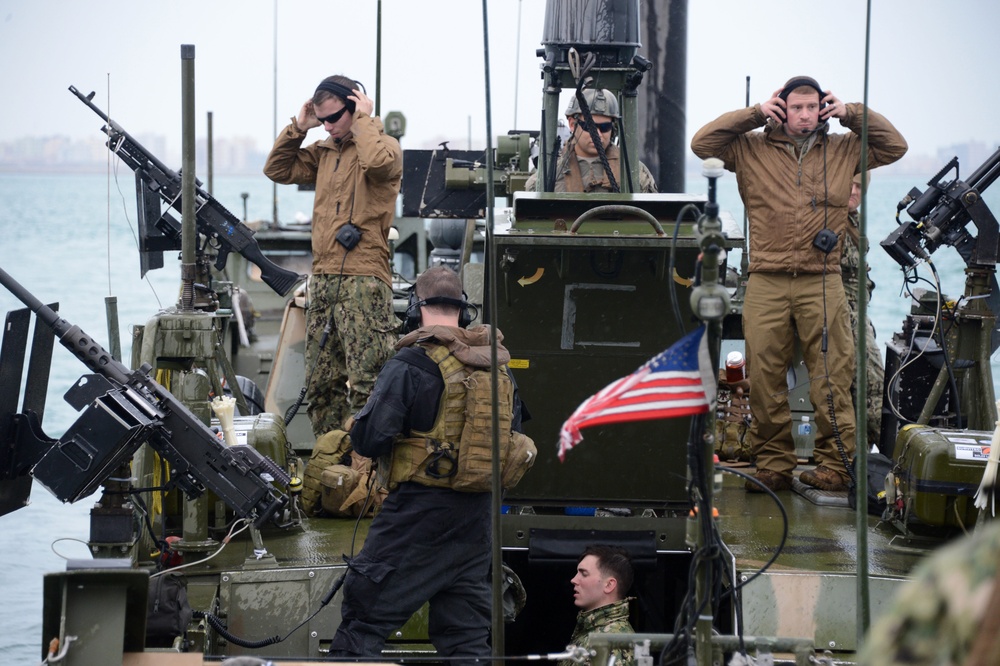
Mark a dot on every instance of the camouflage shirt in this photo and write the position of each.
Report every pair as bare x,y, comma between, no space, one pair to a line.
936,617
850,258
610,619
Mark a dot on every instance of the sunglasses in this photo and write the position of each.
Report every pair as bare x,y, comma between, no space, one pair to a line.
334,117
604,128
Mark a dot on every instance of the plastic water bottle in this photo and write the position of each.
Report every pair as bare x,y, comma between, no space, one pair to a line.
805,428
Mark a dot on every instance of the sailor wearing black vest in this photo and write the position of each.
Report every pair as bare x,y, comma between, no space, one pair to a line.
429,542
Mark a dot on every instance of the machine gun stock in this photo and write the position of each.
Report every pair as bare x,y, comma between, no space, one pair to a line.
214,220
940,215
124,409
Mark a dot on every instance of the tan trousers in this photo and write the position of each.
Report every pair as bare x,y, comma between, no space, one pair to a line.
777,306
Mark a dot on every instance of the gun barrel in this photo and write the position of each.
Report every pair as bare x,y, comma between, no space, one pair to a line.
73,338
118,129
44,312
987,172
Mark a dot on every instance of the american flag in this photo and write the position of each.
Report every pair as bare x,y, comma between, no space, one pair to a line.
677,382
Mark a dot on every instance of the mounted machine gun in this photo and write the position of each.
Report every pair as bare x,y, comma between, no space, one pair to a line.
938,372
155,181
940,215
124,409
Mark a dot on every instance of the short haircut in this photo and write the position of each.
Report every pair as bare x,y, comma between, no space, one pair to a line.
613,562
440,281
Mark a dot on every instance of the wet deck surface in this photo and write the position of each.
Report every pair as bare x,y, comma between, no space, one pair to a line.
822,539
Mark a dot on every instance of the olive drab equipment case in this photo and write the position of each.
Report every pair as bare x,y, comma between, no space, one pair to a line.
935,478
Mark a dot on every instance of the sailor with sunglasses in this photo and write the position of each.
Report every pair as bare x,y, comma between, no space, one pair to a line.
356,170
580,168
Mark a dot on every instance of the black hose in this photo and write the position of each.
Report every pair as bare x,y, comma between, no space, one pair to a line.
220,628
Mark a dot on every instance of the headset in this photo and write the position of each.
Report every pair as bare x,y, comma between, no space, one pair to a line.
798,82
341,91
413,319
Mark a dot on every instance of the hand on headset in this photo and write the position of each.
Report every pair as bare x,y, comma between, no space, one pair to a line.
774,108
831,107
362,102
306,119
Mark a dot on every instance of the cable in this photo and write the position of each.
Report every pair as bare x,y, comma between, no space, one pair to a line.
595,137
824,346
784,526
225,542
672,268
910,359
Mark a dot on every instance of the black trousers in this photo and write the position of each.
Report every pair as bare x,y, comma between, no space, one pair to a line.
426,545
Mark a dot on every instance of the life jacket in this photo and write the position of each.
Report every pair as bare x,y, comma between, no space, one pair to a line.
457,452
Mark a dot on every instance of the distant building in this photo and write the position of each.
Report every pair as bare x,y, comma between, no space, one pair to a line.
238,155
970,155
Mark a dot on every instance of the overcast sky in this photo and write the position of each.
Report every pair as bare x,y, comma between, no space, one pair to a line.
932,64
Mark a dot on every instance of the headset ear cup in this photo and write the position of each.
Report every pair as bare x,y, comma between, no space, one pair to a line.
413,318
464,316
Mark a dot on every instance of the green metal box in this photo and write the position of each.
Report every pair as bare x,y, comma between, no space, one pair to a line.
264,432
938,474
579,310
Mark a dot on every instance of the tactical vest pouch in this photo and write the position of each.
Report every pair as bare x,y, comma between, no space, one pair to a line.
520,458
367,496
408,458
330,449
338,482
475,459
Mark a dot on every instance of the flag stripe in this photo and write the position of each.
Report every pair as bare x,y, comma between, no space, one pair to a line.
677,382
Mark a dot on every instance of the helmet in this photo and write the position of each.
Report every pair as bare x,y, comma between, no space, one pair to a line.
601,102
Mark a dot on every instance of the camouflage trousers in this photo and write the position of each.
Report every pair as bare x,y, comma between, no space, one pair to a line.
361,338
875,373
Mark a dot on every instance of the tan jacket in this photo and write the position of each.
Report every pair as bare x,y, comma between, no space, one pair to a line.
789,198
362,173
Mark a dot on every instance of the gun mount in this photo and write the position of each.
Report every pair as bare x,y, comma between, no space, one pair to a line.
159,231
943,377
124,409
940,215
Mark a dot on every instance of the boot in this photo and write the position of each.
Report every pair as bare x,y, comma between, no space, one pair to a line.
774,481
824,478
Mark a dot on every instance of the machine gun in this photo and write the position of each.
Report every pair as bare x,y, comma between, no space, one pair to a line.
940,215
124,409
158,232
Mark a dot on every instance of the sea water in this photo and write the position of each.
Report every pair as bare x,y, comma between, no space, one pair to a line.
71,239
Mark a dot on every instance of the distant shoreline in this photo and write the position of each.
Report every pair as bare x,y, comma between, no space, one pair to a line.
95,168
916,165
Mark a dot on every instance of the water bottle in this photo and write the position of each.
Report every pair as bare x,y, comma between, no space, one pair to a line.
805,428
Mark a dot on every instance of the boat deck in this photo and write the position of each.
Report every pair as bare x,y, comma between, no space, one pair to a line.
810,591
